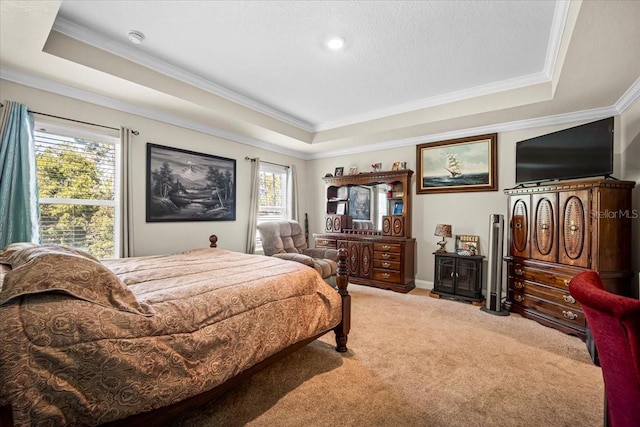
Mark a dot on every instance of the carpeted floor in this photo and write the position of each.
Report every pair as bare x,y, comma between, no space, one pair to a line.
419,361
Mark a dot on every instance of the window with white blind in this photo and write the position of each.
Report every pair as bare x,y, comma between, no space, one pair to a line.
78,191
272,202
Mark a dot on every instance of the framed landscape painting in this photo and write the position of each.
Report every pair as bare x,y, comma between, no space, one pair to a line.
457,165
188,186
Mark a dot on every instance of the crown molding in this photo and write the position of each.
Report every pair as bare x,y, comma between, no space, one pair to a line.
461,95
594,114
122,50
108,102
627,99
560,15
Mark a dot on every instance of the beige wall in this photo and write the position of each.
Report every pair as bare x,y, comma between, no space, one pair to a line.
467,212
630,121
157,238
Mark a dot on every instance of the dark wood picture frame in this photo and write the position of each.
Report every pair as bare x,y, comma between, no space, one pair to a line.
441,165
185,185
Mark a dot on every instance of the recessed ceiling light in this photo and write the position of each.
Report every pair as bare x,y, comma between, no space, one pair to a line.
335,43
136,37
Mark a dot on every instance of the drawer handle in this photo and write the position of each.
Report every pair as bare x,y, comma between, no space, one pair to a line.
566,282
385,275
544,226
518,298
518,225
569,299
569,315
385,256
518,285
386,247
386,265
519,271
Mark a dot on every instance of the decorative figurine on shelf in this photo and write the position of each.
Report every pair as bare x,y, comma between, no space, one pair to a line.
442,230
376,167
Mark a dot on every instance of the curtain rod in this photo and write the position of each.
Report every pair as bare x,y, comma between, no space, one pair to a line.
263,161
135,132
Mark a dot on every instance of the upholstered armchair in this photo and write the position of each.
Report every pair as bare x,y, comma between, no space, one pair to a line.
285,239
614,321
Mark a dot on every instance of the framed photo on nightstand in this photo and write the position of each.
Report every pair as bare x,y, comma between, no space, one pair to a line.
467,245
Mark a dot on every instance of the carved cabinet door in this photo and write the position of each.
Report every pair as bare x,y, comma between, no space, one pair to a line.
544,227
366,259
575,228
519,225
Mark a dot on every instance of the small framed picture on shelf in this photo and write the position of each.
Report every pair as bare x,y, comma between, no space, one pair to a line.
397,208
339,171
395,166
343,193
341,208
467,245
353,170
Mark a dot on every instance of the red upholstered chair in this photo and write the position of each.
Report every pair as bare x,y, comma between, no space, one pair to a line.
614,321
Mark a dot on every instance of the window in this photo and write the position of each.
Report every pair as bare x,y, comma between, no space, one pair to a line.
78,191
273,199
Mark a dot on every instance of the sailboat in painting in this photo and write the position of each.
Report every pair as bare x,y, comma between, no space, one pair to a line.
454,165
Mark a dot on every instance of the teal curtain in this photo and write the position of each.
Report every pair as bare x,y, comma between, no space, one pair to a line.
19,212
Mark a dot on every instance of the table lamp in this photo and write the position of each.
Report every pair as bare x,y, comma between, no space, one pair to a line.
442,230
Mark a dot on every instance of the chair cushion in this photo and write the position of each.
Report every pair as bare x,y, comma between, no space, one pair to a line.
614,321
301,258
326,267
282,237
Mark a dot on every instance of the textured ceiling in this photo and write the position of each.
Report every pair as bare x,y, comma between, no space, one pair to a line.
398,55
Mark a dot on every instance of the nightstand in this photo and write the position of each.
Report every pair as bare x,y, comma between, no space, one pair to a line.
458,277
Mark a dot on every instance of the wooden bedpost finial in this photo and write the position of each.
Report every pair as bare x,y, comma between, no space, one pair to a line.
342,280
213,239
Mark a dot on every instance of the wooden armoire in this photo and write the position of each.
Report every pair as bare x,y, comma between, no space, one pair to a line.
558,230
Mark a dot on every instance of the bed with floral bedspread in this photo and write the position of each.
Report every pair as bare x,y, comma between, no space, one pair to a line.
86,342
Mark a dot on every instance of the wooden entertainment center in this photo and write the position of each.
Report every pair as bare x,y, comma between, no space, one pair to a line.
558,230
369,215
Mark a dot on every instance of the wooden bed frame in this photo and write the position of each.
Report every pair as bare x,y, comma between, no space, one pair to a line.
167,413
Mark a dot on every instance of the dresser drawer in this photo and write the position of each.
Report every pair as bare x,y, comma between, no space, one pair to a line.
386,275
548,276
571,315
387,247
549,293
326,243
386,256
388,265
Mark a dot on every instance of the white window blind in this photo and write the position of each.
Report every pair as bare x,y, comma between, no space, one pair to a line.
272,202
78,191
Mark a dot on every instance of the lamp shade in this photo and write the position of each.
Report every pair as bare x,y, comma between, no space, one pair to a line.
443,230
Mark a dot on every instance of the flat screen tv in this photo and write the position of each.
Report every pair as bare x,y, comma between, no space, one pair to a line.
578,152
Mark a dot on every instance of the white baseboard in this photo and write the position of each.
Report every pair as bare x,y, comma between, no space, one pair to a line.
424,284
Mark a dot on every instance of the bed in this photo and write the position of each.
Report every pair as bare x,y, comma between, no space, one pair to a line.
142,339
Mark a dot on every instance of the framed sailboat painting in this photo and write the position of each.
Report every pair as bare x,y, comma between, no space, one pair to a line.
457,165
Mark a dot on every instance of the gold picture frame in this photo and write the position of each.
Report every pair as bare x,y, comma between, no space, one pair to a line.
458,165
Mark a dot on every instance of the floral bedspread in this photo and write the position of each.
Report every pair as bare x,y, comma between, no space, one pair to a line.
209,315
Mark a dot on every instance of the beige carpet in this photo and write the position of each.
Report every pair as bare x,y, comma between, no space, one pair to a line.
419,361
